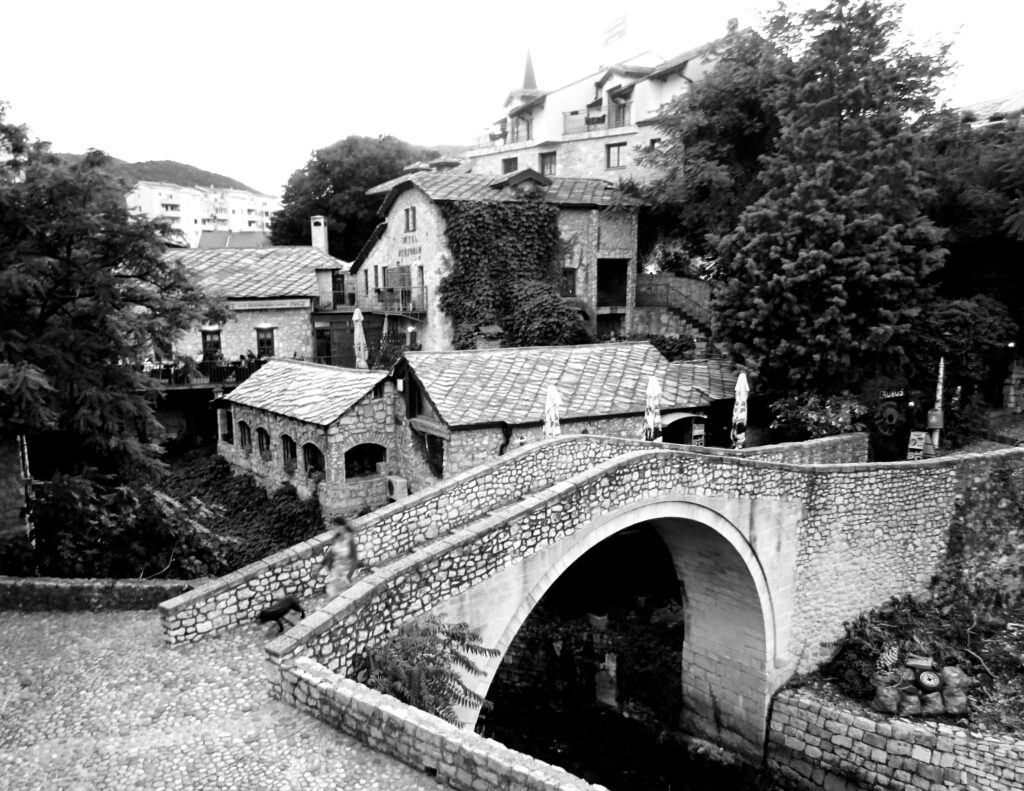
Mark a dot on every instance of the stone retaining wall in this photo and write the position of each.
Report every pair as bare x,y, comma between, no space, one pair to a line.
813,744
457,758
55,593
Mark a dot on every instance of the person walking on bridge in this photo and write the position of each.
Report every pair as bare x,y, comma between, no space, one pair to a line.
341,558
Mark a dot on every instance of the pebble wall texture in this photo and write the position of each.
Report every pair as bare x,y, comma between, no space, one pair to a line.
455,757
55,593
813,745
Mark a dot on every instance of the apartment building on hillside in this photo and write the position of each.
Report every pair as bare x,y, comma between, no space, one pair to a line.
192,210
593,127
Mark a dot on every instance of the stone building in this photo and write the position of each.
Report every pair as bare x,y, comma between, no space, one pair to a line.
467,407
398,271
593,127
361,438
322,428
270,294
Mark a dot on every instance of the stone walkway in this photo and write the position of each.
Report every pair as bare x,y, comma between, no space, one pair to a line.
97,701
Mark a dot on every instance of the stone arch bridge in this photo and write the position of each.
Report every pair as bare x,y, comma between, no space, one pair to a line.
773,548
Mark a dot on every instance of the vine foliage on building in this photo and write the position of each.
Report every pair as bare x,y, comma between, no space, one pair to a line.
502,252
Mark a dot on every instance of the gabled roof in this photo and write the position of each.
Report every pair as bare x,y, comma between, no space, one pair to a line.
452,186
257,273
312,393
481,386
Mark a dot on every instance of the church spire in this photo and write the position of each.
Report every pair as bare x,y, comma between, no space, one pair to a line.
529,81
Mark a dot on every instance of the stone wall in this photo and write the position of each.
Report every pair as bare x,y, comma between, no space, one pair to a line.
398,528
457,759
293,333
813,744
384,534
371,421
54,593
12,489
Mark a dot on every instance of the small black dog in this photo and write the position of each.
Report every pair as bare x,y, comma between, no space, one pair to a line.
279,609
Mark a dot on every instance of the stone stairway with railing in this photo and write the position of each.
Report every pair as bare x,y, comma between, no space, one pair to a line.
671,305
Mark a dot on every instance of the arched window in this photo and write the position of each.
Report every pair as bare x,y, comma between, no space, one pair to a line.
227,432
312,458
263,441
362,460
244,436
288,453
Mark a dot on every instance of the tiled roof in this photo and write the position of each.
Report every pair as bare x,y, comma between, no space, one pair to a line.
453,186
594,380
257,273
309,392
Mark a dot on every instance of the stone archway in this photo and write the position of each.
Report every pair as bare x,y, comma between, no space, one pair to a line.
731,638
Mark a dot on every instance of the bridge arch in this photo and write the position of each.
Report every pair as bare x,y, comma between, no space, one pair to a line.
730,625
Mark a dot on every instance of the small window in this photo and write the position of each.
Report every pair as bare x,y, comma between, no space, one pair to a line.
410,219
312,459
288,449
227,433
376,277
568,282
211,345
263,442
366,281
655,144
244,435
378,390
510,165
615,155
265,343
547,163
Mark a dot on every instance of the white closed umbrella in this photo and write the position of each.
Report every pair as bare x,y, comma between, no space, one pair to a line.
652,411
552,412
739,412
359,339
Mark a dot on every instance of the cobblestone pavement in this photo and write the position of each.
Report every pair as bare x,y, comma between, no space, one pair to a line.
97,701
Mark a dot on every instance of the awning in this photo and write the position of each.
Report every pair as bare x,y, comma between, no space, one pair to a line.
424,426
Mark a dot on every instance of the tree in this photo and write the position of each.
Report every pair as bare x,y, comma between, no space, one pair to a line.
84,288
419,664
714,137
979,175
827,268
333,183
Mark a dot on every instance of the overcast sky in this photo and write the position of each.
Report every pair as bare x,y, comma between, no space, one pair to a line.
249,89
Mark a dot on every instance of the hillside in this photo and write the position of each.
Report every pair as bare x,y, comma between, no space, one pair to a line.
166,171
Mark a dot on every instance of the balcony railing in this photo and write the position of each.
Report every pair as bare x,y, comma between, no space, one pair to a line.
589,120
403,300
338,300
213,372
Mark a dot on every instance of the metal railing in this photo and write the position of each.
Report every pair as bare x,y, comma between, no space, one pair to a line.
212,372
403,300
586,120
662,295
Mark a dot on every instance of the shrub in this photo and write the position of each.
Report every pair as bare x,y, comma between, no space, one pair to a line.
419,663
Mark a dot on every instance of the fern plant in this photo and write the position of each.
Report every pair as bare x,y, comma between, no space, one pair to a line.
419,664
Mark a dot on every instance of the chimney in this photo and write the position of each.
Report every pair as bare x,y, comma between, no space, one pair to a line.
318,227
732,26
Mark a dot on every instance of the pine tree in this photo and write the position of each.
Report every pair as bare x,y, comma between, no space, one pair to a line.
827,269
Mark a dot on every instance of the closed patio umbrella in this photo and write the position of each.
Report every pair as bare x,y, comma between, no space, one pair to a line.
652,411
359,339
739,412
552,412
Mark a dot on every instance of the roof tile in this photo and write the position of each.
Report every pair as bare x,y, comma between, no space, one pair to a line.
309,392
